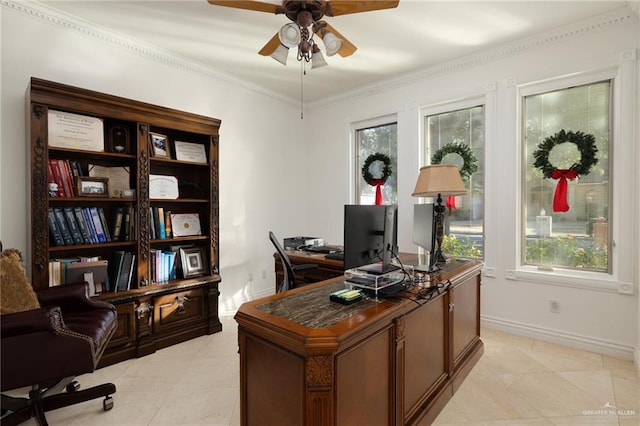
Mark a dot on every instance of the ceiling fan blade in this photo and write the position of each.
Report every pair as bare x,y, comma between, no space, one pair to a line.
258,6
347,48
271,46
345,7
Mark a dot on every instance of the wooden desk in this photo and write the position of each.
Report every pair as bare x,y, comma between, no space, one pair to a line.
307,361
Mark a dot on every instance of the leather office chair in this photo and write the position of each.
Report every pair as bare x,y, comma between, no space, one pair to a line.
46,348
290,270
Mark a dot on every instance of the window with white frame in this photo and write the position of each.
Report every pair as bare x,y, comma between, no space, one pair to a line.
565,130
378,139
452,137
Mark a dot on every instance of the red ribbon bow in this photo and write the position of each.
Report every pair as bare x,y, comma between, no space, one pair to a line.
451,202
560,197
378,184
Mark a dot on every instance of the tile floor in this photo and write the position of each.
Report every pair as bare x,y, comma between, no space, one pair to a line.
518,381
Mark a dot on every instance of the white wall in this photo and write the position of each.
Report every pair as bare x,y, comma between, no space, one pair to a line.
599,319
253,151
264,173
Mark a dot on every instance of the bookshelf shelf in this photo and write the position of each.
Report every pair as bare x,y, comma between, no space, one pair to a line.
146,319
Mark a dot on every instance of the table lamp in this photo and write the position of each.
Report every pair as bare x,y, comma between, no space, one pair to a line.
437,180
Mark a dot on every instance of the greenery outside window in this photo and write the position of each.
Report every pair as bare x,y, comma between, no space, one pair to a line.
381,139
465,223
580,237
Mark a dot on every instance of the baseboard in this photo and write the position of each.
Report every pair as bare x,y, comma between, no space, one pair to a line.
637,360
603,347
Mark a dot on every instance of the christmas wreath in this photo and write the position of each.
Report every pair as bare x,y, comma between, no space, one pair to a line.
586,144
469,164
375,171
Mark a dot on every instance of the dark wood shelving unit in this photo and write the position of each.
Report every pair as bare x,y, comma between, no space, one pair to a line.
150,315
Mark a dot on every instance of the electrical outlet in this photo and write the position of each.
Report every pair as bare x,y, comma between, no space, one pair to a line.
554,306
490,272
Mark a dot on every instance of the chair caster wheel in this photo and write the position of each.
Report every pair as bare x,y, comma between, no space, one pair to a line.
73,386
107,404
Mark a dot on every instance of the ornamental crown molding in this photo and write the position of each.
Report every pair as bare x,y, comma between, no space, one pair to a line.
69,22
567,32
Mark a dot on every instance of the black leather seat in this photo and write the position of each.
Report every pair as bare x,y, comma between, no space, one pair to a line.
46,348
290,270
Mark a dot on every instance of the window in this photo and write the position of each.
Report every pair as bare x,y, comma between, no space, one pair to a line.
578,238
381,139
465,236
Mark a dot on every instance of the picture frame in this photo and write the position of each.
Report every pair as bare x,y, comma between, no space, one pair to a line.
159,145
193,261
118,139
92,186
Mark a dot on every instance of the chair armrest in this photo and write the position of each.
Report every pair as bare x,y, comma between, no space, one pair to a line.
304,267
28,322
70,297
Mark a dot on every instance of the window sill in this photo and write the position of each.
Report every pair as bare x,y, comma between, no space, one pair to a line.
598,281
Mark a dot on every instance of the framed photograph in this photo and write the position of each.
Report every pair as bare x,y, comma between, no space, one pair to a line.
159,145
93,186
118,138
193,261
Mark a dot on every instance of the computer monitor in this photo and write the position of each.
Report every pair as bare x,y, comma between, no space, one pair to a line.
423,231
370,237
423,226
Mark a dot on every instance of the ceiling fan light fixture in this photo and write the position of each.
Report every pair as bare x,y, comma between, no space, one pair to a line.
289,35
317,60
280,54
331,43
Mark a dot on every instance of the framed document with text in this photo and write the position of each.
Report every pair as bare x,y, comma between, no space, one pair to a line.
185,224
187,151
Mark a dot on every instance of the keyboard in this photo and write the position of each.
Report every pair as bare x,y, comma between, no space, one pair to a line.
319,249
338,255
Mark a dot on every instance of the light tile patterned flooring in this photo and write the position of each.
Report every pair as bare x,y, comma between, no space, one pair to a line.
518,381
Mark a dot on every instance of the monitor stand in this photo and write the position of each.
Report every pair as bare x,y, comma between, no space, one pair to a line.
378,268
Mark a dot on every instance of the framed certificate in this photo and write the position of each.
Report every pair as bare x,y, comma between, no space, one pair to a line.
74,131
163,186
187,151
185,224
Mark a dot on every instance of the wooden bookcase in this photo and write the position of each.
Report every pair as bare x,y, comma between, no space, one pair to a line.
151,315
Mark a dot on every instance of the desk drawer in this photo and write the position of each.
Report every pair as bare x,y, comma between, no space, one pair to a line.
176,309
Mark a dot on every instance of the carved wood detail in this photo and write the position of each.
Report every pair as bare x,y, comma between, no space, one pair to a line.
320,370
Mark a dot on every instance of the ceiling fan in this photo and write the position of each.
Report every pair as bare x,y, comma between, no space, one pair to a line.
306,17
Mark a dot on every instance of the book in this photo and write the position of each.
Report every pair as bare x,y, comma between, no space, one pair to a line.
105,225
82,223
125,272
74,228
66,180
161,227
116,267
54,230
167,223
69,176
117,224
152,223
97,224
63,226
126,225
89,221
57,177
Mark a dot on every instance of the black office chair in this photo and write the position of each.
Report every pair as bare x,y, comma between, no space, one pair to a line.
290,270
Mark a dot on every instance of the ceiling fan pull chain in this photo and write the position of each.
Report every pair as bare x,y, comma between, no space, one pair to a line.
303,71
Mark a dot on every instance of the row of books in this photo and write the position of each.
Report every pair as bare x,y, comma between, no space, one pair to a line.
59,267
88,225
65,174
162,267
160,223
102,275
123,269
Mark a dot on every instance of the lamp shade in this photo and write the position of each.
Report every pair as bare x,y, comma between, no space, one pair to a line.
280,54
289,35
332,43
439,179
